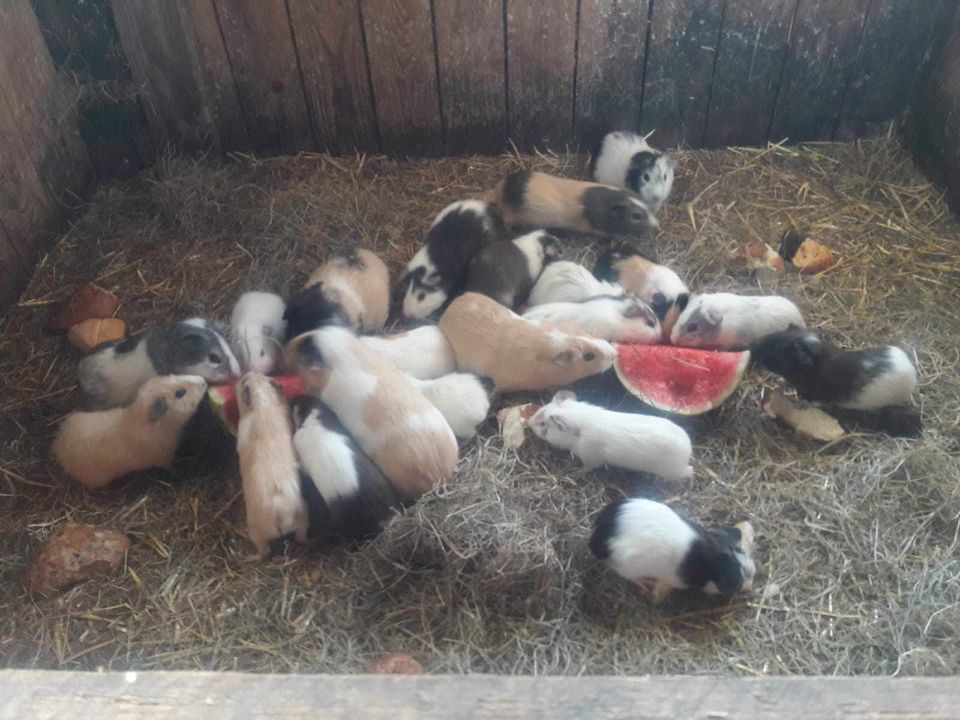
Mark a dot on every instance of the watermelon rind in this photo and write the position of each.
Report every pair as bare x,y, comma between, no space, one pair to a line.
223,399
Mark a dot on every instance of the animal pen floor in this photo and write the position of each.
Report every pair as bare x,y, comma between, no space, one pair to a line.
859,567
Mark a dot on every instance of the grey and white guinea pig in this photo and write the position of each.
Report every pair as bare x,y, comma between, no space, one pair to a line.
566,281
724,321
821,372
651,545
625,159
113,372
462,398
257,330
506,271
423,352
626,318
347,495
438,271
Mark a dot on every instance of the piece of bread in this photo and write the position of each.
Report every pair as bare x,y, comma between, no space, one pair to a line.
812,257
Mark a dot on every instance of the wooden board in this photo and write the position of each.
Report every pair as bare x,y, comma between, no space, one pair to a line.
541,59
753,47
403,70
13,270
264,63
472,74
823,50
680,63
329,41
610,54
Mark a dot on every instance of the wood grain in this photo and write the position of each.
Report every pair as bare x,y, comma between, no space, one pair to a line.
13,269
753,47
403,70
609,68
470,56
680,60
541,41
264,63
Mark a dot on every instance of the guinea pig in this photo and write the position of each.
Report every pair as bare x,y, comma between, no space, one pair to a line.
391,420
96,448
624,159
603,437
111,373
423,352
626,318
463,399
438,271
724,321
649,544
257,328
565,281
540,200
657,285
346,494
506,271
268,465
351,287
491,340
821,372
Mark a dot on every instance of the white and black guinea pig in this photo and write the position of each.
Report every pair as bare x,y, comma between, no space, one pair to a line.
438,271
257,329
625,319
821,372
624,159
506,271
462,398
347,496
113,372
539,200
724,321
566,281
649,544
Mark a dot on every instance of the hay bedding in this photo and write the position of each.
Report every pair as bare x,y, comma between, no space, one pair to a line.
858,541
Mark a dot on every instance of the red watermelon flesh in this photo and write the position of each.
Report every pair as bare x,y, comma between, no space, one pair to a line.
223,398
686,381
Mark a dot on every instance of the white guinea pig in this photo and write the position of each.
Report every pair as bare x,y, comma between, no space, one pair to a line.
603,437
624,159
423,352
626,319
565,281
462,399
725,321
649,544
256,329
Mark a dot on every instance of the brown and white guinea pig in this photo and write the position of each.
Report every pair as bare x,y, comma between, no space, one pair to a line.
438,271
821,372
391,420
624,159
463,399
112,373
347,496
566,281
268,465
536,199
724,321
423,352
626,318
506,271
352,285
96,448
651,545
257,329
657,285
598,436
493,341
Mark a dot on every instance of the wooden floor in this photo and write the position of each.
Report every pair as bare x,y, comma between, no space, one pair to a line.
42,694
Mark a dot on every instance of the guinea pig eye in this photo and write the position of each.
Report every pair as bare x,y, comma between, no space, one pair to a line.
214,358
421,296
263,352
636,217
180,393
646,177
691,327
651,322
589,356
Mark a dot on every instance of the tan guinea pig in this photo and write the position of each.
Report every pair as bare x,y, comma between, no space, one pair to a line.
491,340
96,448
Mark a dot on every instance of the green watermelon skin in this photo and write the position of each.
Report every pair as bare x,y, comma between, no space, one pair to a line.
684,381
223,398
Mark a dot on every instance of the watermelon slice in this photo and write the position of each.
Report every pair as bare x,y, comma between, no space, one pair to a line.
223,398
685,381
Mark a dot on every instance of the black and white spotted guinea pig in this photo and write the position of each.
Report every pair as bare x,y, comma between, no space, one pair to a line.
506,271
724,321
438,271
821,372
346,494
112,373
649,544
536,199
624,159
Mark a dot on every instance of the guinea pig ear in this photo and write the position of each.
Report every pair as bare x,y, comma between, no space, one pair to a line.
279,388
807,351
711,316
559,423
158,409
563,396
565,357
246,395
308,354
267,331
